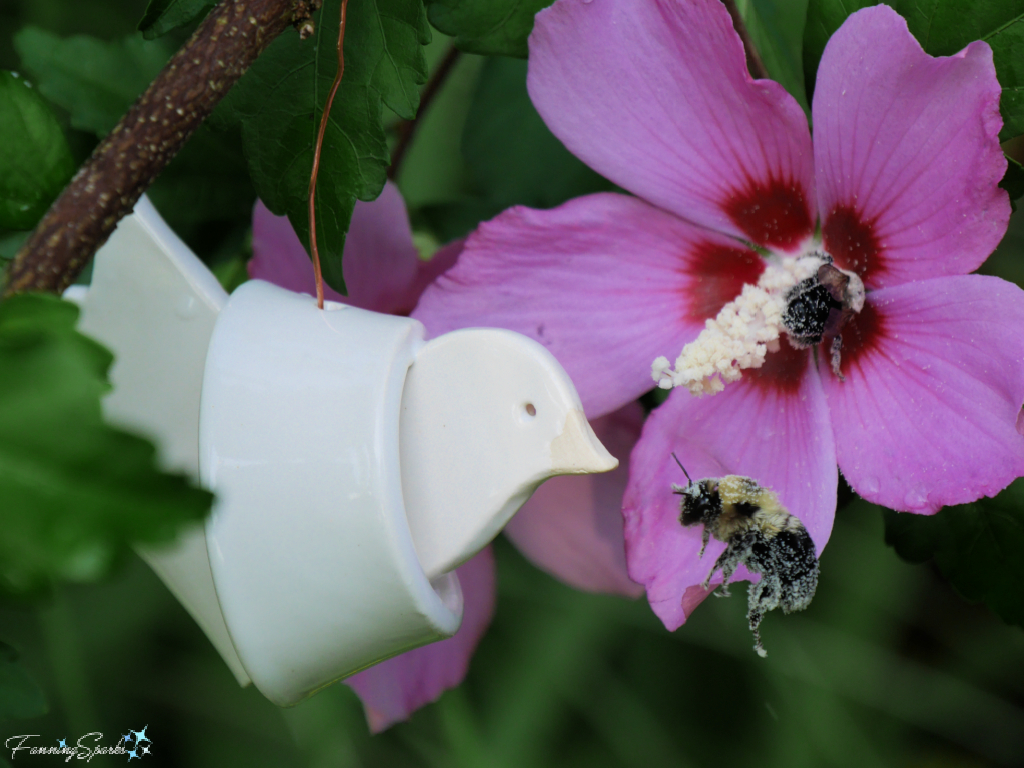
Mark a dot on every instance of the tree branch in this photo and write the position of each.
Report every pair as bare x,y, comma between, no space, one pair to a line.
754,62
152,132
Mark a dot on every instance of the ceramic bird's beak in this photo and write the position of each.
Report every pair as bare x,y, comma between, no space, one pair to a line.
577,451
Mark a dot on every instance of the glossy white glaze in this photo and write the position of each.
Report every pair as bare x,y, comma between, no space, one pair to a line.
310,548
487,416
154,305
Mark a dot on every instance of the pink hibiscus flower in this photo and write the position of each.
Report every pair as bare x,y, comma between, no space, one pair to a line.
923,408
570,528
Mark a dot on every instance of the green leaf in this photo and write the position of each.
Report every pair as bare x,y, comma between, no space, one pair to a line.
489,27
281,98
1013,180
20,696
976,546
943,27
207,181
35,160
511,156
10,243
824,17
163,16
75,491
94,80
777,29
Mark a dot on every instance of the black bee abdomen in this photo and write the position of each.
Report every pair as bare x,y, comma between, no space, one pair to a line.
788,566
808,305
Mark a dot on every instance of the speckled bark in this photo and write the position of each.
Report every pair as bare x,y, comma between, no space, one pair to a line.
127,161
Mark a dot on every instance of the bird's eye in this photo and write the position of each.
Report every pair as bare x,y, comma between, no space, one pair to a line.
530,410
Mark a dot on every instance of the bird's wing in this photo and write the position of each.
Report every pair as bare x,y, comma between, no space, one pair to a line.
153,303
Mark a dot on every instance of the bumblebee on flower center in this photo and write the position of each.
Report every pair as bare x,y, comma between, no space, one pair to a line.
807,297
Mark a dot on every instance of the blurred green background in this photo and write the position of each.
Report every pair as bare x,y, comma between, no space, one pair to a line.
889,666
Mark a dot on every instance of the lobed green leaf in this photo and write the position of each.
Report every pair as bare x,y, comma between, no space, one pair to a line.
94,80
75,491
279,102
943,27
976,546
35,160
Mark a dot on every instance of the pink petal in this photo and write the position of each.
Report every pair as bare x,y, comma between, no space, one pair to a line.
607,282
382,268
394,689
380,260
934,385
655,95
278,256
428,271
907,153
772,426
572,525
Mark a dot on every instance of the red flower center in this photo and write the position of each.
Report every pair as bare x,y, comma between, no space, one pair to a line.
852,242
719,273
861,334
773,215
783,370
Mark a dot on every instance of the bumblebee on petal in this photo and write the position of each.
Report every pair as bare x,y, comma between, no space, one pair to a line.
760,534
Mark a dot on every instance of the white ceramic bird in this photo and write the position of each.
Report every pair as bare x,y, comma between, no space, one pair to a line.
355,465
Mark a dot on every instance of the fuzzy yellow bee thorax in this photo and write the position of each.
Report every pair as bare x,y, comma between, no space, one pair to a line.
746,505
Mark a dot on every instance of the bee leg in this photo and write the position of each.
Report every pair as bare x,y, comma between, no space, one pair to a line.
705,536
727,570
707,581
754,619
761,598
837,356
727,562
